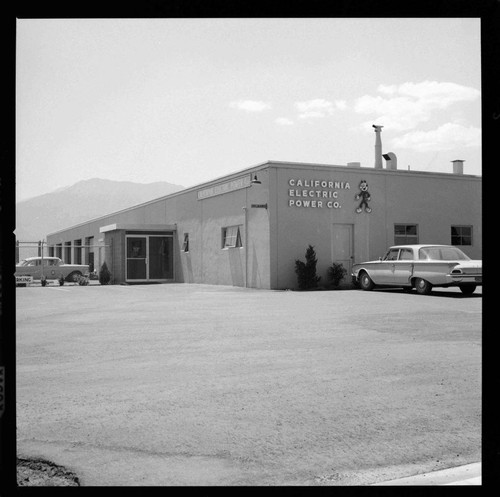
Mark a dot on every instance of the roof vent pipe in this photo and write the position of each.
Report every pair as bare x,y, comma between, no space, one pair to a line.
391,160
458,166
378,146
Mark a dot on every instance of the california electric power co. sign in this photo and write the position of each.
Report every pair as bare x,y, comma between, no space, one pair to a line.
315,193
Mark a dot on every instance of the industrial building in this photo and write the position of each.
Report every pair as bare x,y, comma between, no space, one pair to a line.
248,228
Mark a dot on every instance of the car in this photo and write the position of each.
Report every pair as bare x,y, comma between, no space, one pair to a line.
51,268
421,267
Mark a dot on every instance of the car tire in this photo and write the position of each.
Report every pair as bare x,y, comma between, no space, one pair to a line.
73,276
422,286
365,282
467,289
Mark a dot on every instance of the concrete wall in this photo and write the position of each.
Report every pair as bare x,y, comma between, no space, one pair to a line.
206,261
433,201
274,237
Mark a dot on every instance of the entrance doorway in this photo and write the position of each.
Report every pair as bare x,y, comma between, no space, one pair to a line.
149,258
342,245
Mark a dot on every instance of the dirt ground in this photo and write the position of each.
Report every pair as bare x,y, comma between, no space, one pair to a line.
200,385
39,473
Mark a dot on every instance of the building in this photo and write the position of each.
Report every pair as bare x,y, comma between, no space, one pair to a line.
248,228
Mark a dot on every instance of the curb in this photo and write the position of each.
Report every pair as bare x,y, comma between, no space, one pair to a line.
469,474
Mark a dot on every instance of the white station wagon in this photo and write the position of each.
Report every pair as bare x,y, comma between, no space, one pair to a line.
421,267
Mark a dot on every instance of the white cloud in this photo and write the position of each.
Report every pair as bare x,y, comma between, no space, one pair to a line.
250,105
283,121
441,94
449,136
318,107
405,106
341,104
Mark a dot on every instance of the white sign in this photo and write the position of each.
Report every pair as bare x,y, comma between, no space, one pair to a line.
24,279
237,184
315,193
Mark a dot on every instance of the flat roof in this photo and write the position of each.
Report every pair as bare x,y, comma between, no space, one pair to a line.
276,164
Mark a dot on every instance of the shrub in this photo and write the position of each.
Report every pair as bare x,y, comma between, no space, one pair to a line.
306,271
104,274
82,280
61,280
43,280
336,273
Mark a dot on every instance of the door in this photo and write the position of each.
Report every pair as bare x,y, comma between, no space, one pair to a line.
160,257
137,258
403,267
149,258
383,273
342,246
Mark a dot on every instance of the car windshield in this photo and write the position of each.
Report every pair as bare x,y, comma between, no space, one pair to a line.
23,263
441,254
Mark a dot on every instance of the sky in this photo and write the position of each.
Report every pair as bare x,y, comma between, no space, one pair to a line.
189,100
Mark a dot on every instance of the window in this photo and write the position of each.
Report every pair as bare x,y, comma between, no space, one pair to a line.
461,235
231,237
405,234
185,245
67,252
78,251
406,254
392,255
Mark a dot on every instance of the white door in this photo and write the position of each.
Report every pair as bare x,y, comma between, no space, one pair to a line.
342,246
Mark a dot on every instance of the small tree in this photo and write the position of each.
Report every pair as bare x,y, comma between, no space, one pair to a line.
104,274
336,273
306,271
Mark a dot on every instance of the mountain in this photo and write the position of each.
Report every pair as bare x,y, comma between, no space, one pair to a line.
65,207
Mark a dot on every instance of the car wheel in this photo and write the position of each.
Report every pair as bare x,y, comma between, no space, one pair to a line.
467,289
73,276
423,286
365,282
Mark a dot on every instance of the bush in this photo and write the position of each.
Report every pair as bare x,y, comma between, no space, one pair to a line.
306,271
61,280
82,280
336,273
43,280
104,274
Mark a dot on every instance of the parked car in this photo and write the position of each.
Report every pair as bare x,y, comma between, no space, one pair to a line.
421,267
53,268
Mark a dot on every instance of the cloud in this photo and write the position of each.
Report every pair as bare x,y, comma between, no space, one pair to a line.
449,136
318,108
250,105
405,106
283,121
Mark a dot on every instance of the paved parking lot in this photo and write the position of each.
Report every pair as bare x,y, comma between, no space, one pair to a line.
205,385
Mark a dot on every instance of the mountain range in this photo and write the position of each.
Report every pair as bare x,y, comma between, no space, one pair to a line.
89,199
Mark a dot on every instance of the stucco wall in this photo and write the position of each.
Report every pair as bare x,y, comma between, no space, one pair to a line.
274,237
434,202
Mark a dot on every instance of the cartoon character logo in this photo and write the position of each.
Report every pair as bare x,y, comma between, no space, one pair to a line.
364,196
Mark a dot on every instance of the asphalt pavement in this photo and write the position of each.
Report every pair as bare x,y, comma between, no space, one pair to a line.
197,385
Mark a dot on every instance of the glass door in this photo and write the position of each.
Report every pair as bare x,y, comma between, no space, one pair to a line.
149,258
161,259
136,258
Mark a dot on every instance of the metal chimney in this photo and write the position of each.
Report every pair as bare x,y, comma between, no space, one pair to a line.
378,146
458,166
391,160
